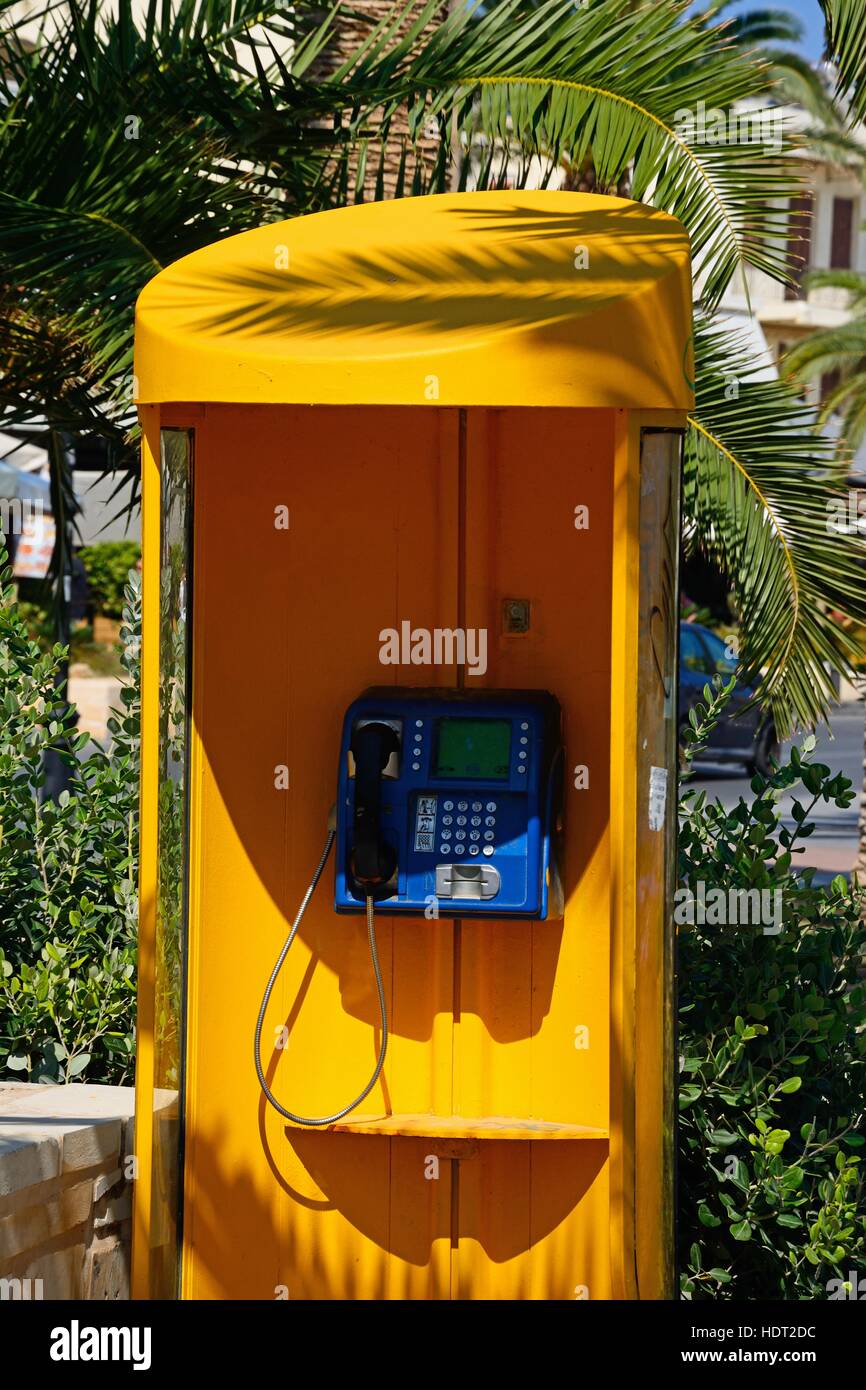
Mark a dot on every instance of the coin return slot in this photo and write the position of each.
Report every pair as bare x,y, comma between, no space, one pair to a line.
466,881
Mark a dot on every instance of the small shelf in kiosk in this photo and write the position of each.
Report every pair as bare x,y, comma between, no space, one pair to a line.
462,1127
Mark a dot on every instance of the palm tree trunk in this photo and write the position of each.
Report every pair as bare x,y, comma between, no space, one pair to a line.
400,156
57,774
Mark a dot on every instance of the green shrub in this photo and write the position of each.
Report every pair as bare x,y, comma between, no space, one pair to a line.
68,909
772,1048
108,564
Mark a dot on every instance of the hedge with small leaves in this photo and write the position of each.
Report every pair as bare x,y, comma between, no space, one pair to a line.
772,1049
68,905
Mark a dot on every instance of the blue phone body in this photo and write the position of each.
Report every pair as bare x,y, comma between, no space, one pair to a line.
473,809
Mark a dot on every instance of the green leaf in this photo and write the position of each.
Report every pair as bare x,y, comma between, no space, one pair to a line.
792,1084
846,42
793,1178
722,1137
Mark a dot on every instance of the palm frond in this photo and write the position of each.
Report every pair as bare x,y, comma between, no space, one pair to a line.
841,351
845,22
761,489
842,348
628,82
852,281
772,32
122,148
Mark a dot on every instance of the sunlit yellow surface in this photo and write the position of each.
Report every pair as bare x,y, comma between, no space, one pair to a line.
503,298
514,1147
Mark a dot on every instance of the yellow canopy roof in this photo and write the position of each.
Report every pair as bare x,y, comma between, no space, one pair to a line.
501,298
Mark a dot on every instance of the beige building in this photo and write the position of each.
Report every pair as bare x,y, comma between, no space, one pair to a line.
831,236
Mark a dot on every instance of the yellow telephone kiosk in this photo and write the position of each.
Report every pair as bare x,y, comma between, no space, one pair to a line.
411,492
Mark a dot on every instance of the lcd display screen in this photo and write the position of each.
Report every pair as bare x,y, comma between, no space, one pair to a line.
474,748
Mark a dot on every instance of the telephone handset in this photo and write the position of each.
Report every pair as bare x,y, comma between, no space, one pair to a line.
450,797
373,860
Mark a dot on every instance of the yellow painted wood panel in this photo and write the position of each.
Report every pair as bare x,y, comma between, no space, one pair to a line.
371,503
439,521
532,1034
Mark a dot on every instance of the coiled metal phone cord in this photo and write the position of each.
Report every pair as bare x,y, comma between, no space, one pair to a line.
371,936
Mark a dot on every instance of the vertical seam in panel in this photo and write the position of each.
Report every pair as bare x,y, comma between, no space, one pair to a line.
461,533
458,926
285,1214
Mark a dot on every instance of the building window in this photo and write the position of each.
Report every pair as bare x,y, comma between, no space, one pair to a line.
842,235
799,244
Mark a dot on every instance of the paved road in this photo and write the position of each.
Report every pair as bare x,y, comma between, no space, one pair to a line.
833,846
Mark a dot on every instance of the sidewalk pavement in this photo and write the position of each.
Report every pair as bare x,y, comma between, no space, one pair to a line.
833,859
95,697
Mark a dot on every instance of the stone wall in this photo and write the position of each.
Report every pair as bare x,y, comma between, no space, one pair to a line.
65,1191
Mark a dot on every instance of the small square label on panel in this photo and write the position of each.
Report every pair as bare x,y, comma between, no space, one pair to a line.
425,824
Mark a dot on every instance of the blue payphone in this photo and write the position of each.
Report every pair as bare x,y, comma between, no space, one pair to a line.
448,804
449,797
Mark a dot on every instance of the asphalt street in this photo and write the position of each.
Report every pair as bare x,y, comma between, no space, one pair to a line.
833,845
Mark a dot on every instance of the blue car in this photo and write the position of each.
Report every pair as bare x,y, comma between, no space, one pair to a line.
742,735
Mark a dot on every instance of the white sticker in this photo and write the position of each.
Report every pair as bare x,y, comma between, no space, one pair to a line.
658,797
